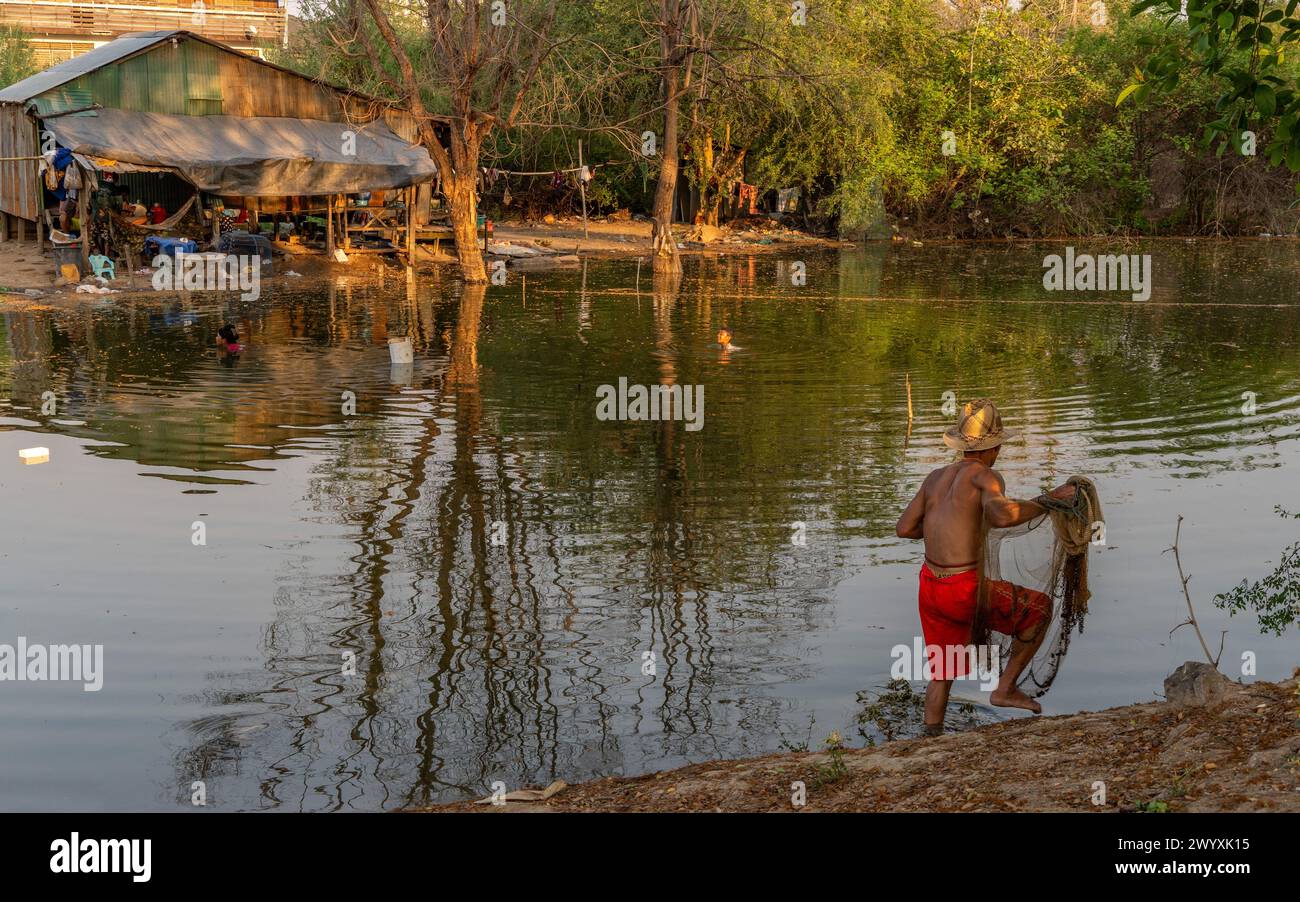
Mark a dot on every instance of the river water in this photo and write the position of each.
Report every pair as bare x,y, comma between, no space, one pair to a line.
323,582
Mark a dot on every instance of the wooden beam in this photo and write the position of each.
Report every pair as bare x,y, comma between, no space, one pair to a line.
83,221
329,226
4,227
582,189
410,226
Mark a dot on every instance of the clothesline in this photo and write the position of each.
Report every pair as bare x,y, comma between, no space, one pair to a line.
553,171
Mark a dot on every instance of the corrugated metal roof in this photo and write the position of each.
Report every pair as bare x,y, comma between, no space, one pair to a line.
64,72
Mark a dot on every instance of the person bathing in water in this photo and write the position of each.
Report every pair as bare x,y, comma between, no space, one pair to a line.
947,513
228,339
724,340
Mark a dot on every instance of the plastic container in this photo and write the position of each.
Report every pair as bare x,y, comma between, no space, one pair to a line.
34,455
67,253
401,350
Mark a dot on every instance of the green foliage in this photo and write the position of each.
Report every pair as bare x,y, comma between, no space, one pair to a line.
834,769
1242,46
1275,598
852,107
893,711
1039,148
1155,806
16,58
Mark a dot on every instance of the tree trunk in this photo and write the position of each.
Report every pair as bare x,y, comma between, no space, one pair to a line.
712,208
463,205
664,248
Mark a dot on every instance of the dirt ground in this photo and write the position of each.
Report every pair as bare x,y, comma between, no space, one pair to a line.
610,236
1243,754
27,277
22,266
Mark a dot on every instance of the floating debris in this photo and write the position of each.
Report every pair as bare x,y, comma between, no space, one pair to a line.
526,795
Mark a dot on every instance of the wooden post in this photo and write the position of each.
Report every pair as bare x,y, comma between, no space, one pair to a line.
329,226
343,222
40,231
410,226
83,221
423,197
4,227
582,189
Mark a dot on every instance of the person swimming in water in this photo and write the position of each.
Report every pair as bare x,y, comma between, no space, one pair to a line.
724,340
228,339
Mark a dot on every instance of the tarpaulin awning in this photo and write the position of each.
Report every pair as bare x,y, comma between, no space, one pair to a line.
99,164
251,156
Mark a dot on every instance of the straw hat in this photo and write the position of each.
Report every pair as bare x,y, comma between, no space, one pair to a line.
979,428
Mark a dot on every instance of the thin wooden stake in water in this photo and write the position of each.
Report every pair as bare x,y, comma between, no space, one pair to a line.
582,189
907,439
638,277
523,290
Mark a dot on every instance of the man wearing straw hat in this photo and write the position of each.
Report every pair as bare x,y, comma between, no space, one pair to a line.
950,512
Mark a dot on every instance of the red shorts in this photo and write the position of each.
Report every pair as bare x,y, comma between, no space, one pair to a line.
948,612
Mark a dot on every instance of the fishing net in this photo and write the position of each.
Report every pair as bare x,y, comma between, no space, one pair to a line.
1047,555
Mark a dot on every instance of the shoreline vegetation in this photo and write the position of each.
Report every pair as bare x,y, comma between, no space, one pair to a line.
909,119
1210,745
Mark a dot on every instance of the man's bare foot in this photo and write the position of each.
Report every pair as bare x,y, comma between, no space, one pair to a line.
1014,698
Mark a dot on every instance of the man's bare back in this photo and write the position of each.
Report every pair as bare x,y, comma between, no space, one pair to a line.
953,509
947,510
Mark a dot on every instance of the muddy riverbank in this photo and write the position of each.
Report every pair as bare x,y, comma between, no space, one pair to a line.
1241,753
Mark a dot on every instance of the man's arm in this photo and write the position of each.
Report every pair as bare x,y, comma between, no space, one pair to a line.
1001,511
911,525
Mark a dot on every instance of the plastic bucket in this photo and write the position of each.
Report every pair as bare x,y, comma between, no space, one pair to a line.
401,350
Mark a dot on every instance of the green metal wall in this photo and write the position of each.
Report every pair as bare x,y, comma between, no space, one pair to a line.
160,80
192,78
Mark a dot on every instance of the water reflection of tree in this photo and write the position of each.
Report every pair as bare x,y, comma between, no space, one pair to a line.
517,676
